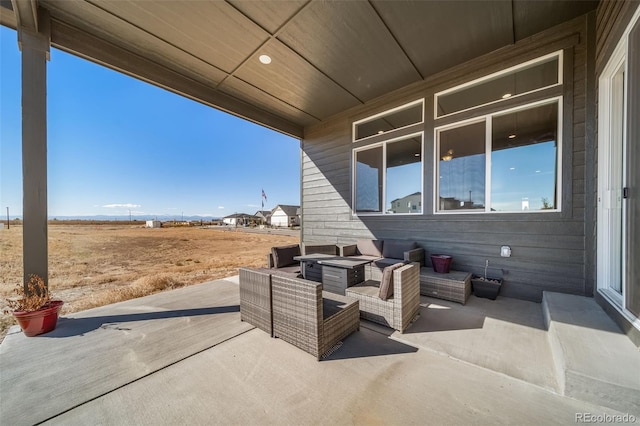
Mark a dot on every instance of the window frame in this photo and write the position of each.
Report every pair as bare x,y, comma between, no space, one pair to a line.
488,120
383,144
385,113
477,81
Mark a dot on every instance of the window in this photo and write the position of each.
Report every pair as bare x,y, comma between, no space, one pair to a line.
524,78
505,160
397,118
502,162
387,161
524,153
388,176
462,167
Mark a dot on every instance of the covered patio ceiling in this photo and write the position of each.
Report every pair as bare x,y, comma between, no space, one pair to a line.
326,57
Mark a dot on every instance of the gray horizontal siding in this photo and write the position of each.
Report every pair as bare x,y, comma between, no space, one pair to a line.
548,249
612,17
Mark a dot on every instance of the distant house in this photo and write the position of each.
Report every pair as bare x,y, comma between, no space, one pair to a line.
264,216
285,216
411,203
239,219
153,224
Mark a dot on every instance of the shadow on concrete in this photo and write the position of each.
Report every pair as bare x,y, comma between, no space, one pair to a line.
368,343
68,327
432,320
444,315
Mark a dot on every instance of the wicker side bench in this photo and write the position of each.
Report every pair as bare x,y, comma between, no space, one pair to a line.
397,312
454,286
309,318
255,298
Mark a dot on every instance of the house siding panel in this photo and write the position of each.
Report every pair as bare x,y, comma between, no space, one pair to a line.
612,17
548,249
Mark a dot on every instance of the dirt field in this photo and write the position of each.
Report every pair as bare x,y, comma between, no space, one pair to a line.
94,265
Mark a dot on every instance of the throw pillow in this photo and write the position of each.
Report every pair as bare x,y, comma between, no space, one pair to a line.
394,249
283,255
386,285
370,247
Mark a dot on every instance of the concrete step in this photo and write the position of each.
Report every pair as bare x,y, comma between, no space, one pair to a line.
594,360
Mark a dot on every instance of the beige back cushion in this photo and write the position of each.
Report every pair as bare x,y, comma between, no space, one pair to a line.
370,247
386,285
395,249
283,255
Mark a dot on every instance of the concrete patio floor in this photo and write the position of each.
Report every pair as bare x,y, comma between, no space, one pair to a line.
184,357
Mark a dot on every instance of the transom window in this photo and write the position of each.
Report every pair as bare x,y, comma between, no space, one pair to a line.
524,78
397,118
502,162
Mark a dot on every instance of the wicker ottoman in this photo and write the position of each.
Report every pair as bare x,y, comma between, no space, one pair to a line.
454,286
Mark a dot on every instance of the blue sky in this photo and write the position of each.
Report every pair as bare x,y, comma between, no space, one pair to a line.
116,144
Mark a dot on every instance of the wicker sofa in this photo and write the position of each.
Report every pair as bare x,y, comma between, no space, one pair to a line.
383,253
401,308
309,318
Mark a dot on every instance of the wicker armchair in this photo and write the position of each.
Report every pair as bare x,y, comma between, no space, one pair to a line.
309,318
397,312
255,298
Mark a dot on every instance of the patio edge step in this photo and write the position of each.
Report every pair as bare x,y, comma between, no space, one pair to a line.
594,360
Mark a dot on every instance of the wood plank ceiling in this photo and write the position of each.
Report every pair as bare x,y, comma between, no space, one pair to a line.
326,56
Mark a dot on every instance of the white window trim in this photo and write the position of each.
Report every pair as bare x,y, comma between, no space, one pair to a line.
605,117
387,112
559,54
487,120
384,143
616,300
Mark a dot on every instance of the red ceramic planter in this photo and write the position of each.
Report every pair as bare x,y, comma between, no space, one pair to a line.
41,321
441,263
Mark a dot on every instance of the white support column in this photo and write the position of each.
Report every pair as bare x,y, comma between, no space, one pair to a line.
34,41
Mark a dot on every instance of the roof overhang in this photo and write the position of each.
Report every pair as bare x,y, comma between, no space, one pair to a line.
326,57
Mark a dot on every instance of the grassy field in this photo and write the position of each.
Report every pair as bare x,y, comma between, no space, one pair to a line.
97,264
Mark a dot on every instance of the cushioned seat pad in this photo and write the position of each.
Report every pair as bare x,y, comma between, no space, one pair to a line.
384,262
367,288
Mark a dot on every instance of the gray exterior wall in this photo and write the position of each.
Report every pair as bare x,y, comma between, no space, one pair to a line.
549,250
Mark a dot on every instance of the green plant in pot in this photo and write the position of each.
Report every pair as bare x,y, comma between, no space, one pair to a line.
484,286
33,307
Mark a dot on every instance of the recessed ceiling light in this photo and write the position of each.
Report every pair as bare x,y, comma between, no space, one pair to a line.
380,132
512,136
265,59
506,95
417,154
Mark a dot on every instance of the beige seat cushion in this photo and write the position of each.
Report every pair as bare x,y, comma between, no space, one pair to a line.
369,288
